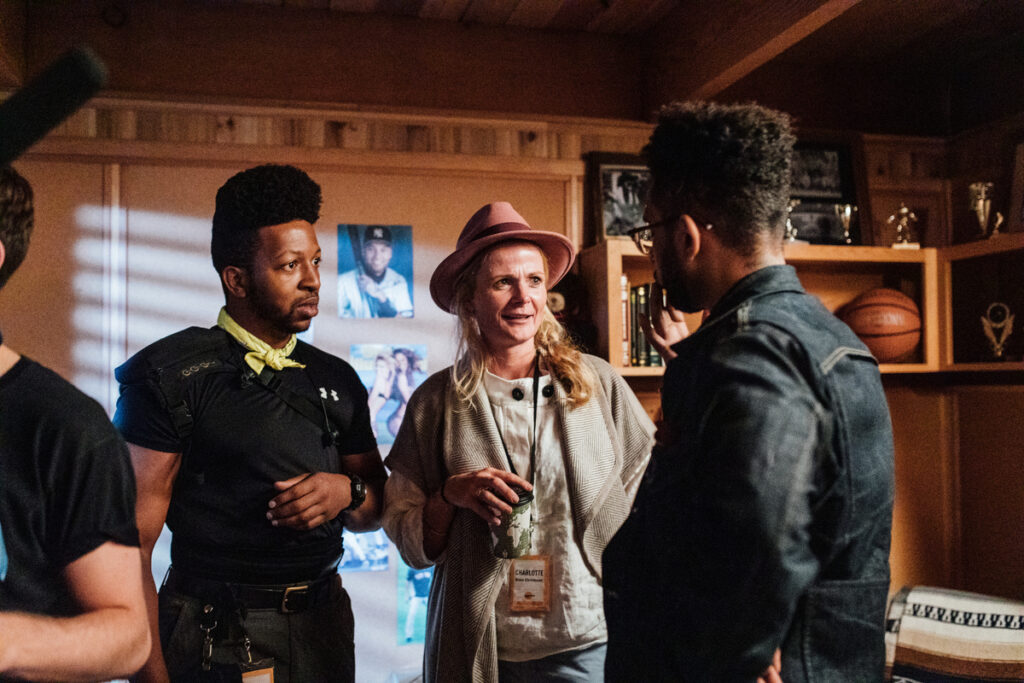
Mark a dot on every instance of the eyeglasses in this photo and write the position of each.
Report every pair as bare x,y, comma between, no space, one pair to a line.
643,235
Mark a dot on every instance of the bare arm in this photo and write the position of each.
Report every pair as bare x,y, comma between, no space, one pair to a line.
309,500
155,472
109,639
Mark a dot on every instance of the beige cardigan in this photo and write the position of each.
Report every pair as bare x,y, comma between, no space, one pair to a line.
606,445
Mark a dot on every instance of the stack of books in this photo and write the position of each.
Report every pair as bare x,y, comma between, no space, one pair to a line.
636,349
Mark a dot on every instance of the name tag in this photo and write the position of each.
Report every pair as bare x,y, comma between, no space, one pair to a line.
530,584
258,676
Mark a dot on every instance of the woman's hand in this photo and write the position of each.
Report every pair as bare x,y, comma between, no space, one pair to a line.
486,492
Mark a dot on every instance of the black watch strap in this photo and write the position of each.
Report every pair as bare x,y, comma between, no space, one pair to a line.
358,492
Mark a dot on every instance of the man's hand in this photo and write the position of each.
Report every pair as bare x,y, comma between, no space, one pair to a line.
773,674
665,327
309,500
367,284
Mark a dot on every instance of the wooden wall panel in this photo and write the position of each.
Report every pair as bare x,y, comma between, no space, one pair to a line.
53,307
171,284
12,43
925,530
992,489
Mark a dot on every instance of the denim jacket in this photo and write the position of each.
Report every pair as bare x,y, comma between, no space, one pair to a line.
764,518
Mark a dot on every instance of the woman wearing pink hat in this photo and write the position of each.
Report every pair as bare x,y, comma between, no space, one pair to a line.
521,416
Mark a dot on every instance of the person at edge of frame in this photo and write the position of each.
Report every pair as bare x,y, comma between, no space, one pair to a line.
257,450
761,531
71,602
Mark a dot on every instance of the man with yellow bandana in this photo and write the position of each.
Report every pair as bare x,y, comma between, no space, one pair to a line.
257,450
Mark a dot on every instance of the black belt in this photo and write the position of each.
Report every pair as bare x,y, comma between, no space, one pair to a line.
285,598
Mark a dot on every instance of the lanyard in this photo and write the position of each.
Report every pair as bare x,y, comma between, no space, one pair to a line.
533,441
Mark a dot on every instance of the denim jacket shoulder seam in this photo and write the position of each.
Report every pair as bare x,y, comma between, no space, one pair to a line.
838,354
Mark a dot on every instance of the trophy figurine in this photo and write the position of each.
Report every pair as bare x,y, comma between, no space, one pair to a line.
998,325
981,204
995,225
845,213
903,219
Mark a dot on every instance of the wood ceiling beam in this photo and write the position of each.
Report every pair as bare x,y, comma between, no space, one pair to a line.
704,47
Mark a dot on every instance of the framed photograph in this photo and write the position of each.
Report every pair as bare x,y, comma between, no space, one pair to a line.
820,223
820,172
616,189
827,174
1015,221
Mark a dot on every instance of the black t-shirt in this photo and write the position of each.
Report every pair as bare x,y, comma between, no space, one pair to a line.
244,438
66,486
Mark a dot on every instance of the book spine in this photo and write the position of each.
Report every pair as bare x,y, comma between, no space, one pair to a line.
643,357
624,293
634,333
652,353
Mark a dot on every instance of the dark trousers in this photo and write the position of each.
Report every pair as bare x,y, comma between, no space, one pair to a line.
316,644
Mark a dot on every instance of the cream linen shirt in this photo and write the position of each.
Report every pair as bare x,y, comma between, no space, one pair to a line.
576,617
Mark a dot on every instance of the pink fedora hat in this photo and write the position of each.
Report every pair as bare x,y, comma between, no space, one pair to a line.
497,222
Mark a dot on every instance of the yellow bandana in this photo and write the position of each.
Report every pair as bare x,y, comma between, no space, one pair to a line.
260,352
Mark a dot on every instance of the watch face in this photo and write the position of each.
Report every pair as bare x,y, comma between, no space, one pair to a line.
358,492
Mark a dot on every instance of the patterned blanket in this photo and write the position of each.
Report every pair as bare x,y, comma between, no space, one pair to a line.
934,634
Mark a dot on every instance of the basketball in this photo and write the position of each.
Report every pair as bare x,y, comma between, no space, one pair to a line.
887,321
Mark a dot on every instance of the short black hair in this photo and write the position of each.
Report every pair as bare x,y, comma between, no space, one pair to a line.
728,165
255,198
17,218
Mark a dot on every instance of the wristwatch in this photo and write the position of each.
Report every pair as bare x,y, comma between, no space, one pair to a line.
358,492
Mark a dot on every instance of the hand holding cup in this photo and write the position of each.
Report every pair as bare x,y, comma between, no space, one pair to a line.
487,492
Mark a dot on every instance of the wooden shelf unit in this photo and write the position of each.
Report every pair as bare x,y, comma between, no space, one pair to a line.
835,274
991,257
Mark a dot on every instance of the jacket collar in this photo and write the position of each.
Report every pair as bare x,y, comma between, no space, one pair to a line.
767,280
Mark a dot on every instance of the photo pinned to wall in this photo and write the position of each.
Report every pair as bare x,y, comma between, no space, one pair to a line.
365,552
413,592
374,271
617,189
390,373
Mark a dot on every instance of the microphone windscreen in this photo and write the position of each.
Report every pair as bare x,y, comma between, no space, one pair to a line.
48,99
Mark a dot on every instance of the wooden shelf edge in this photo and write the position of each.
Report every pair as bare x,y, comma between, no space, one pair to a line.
811,253
906,368
984,367
641,371
1007,241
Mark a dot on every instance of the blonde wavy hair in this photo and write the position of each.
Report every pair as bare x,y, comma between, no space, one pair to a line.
558,353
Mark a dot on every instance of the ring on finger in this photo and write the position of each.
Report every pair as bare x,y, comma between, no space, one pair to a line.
481,493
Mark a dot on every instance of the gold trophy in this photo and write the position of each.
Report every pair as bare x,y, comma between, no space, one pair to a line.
981,205
998,326
904,219
845,213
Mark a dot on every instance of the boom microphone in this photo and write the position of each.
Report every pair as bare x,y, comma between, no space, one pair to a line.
48,99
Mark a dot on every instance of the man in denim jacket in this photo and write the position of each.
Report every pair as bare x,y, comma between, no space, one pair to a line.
763,522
